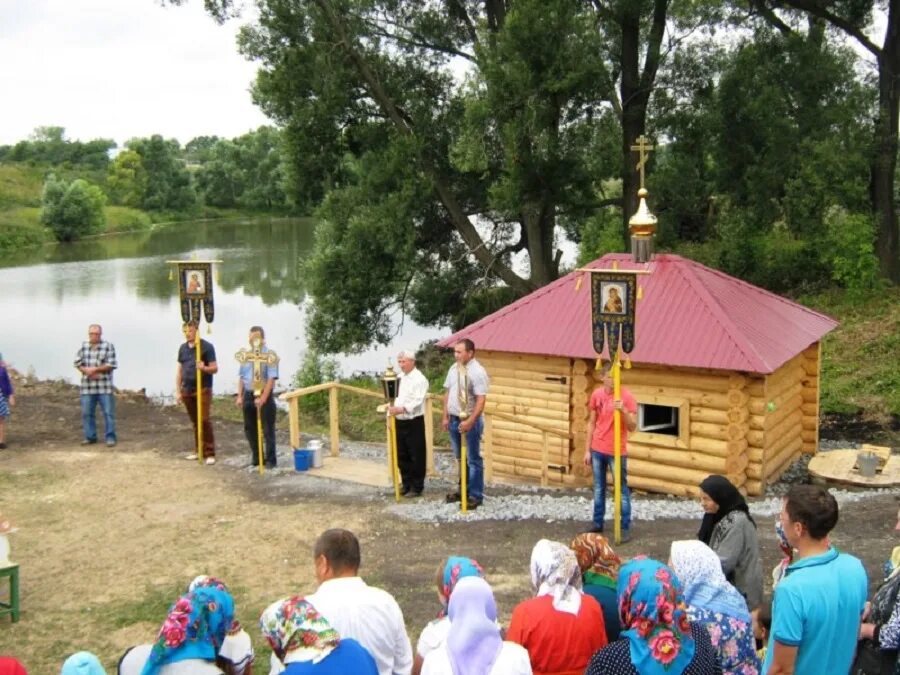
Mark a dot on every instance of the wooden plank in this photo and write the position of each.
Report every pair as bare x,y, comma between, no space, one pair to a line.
297,393
684,458
294,421
334,421
778,465
709,415
669,378
694,396
428,411
359,390
361,471
488,447
840,466
638,467
548,399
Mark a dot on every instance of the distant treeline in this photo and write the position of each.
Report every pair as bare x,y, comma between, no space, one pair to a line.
150,174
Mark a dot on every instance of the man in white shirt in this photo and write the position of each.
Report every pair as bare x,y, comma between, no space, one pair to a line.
409,409
355,610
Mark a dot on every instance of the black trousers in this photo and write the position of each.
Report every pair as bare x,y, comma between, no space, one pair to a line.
268,428
411,452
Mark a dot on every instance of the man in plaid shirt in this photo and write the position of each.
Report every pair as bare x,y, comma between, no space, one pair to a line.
96,361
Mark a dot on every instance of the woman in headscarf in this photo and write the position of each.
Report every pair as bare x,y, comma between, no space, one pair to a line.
189,639
82,663
880,632
474,645
434,635
599,570
716,604
234,651
730,531
304,641
780,569
560,627
659,638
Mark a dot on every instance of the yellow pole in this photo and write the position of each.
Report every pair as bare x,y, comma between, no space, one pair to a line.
199,354
259,438
617,449
463,473
395,470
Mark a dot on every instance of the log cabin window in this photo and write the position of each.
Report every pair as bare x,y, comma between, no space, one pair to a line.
658,419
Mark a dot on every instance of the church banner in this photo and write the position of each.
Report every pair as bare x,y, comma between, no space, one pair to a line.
613,299
195,290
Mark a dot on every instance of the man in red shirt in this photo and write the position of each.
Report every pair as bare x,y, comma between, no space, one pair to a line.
600,453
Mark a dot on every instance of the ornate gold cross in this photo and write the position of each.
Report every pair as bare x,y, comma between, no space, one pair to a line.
257,357
643,148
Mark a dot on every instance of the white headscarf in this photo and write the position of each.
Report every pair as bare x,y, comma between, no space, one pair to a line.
555,572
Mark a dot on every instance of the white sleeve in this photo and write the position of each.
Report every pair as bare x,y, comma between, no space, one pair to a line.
403,656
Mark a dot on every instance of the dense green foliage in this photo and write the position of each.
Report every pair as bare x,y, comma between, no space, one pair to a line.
49,146
72,210
448,145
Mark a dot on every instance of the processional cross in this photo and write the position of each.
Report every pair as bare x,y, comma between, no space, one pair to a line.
258,358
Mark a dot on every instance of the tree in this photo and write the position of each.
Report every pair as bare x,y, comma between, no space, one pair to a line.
167,183
127,179
853,18
72,210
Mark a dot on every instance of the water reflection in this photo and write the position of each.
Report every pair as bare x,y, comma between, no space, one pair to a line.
49,296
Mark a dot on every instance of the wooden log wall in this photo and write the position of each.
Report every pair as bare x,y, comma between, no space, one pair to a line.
812,367
535,390
783,422
714,430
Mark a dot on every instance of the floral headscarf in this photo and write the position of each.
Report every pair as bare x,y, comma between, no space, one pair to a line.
473,642
194,628
700,571
598,562
456,568
555,572
296,630
786,548
655,618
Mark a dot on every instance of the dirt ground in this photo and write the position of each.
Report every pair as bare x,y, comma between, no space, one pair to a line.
108,537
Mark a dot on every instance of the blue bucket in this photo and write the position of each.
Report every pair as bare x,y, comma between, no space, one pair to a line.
302,459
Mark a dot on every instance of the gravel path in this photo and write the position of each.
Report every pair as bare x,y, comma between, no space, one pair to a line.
505,502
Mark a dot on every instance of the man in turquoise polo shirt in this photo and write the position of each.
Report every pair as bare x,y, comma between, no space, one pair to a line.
818,605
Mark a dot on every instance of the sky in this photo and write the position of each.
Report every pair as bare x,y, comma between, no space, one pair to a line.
122,69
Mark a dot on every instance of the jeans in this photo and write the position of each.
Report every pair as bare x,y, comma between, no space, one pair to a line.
88,415
474,463
599,463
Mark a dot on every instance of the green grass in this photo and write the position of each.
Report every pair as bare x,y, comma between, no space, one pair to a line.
126,219
861,357
20,185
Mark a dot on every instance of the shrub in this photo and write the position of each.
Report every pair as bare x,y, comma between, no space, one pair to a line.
849,250
72,210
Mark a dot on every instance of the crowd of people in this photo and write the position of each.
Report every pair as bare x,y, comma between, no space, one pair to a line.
591,612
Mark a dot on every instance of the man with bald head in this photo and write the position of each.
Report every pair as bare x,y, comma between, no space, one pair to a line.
408,410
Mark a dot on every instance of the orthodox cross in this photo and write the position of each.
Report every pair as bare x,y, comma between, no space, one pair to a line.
643,148
257,357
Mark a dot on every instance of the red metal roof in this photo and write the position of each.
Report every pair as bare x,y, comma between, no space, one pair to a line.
689,315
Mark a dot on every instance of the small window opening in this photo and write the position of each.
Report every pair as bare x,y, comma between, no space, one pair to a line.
658,419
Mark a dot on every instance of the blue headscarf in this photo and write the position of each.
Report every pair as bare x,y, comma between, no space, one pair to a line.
194,628
655,618
82,663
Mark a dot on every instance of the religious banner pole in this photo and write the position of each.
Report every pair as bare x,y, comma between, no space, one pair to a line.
390,386
462,388
195,292
614,296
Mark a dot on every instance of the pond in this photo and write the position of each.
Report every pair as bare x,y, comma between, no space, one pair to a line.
49,296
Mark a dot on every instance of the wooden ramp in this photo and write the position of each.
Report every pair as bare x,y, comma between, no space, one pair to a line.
839,466
361,471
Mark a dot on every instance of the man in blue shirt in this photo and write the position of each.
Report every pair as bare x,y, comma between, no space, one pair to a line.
263,404
818,605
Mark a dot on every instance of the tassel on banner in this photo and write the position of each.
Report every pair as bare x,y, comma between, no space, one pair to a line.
640,292
578,282
171,274
598,364
627,363
209,329
218,280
